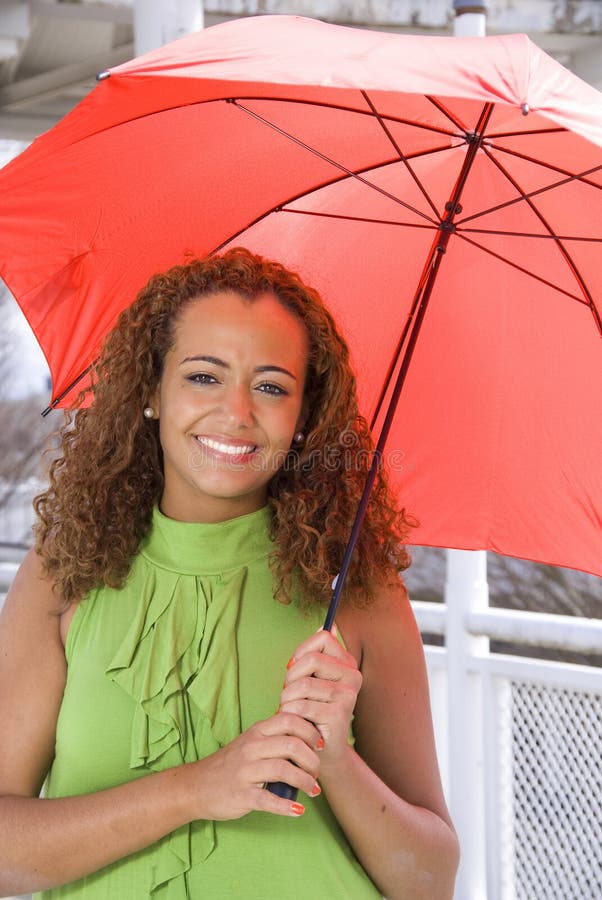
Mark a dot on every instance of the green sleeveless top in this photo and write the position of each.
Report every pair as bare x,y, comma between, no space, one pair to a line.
168,669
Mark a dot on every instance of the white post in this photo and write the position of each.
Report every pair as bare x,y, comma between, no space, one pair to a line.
157,22
470,19
466,591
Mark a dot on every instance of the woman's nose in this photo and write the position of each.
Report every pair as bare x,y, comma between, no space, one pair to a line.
238,405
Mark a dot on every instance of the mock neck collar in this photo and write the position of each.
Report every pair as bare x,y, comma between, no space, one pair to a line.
207,548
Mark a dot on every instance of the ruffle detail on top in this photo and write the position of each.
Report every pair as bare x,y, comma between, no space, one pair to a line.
179,663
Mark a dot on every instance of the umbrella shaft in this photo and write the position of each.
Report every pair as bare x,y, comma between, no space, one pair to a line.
419,306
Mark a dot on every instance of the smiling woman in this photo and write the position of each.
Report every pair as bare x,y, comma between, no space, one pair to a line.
185,550
226,423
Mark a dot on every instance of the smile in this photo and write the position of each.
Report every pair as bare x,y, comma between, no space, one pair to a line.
228,449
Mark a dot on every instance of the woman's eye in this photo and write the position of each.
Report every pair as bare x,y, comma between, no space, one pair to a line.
201,378
267,387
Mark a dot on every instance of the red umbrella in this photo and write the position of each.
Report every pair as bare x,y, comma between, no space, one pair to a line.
368,162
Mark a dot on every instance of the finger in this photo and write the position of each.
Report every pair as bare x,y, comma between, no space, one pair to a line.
321,665
320,642
265,801
286,747
259,747
310,688
286,723
270,803
323,714
268,771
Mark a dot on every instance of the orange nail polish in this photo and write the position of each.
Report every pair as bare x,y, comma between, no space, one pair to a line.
320,744
315,791
297,809
291,662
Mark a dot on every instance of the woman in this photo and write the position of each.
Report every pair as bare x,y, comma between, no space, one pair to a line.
185,551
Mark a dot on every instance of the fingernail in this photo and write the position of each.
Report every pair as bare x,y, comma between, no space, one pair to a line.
290,663
297,809
277,712
320,744
316,790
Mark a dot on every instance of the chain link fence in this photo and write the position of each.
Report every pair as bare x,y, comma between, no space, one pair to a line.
557,793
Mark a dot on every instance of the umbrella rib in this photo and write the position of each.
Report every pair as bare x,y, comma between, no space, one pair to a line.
522,269
530,194
332,162
442,109
360,112
389,117
532,234
570,176
281,207
402,155
348,218
563,250
55,402
529,133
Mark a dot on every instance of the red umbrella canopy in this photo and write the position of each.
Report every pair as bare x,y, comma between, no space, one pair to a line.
351,156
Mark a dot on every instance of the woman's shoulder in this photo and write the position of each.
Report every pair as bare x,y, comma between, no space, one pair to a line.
32,677
32,602
32,587
386,617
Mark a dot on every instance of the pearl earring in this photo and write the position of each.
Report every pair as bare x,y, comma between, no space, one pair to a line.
299,437
149,412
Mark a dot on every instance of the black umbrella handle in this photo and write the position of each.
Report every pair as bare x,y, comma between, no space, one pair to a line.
282,789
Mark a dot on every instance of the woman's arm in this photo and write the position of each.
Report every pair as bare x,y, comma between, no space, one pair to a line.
386,794
44,843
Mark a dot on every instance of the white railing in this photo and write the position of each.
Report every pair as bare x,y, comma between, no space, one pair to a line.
520,747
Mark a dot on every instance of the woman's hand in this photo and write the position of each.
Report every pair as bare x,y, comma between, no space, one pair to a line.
322,684
230,783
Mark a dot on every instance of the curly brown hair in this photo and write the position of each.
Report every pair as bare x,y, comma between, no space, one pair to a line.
109,476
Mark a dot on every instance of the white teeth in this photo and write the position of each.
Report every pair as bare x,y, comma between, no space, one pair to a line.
226,448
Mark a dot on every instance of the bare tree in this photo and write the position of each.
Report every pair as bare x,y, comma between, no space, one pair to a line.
23,433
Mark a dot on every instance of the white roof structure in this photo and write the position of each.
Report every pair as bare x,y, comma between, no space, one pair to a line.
51,50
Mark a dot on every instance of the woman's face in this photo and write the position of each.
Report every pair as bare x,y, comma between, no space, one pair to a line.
229,403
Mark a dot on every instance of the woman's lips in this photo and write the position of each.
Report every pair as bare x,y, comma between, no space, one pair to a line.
232,450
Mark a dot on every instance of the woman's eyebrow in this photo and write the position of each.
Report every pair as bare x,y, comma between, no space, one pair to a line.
275,369
209,359
224,365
